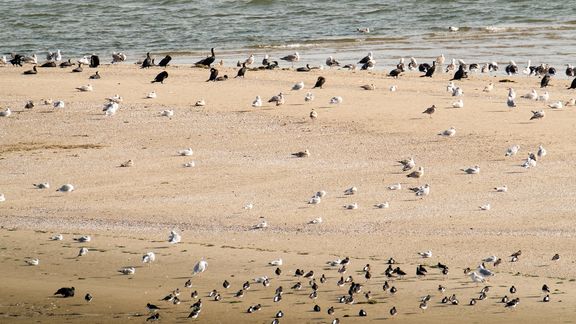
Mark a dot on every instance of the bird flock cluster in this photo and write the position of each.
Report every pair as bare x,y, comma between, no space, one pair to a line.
353,288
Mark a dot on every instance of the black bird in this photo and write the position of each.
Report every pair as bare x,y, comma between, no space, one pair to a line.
552,70
271,66
395,73
280,314
385,286
65,292
368,275
570,71
226,284
266,60
147,61
94,61
317,308
545,80
511,69
304,68
366,59
430,71
88,297
48,64
512,290
545,288
393,311
421,271
78,69
66,63
16,60
393,290
513,303
160,77
33,71
209,60
152,307
546,298
154,317
213,75
241,71
573,85
278,271
197,304
320,82
331,310
424,67
194,314
194,294
362,313
95,76
460,73
164,62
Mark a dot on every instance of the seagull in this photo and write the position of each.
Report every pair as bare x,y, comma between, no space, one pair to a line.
472,170
6,113
483,271
396,186
350,191
450,87
315,200
336,100
276,262
83,251
544,97
422,191
42,185
510,102
351,206
382,205
512,150
262,224
416,174
458,104
151,95
313,114
249,60
330,61
83,239
532,95
368,86
186,152
393,88
448,132
476,277
316,220
33,262
257,102
116,98
85,88
57,237
291,58
174,237
408,164
110,108
309,97
127,271
570,102
190,164
149,257
501,189
539,114
425,254
485,207
556,105
278,99
59,104
66,188
118,57
541,151
200,103
200,267
302,154
457,92
530,162
490,259
298,86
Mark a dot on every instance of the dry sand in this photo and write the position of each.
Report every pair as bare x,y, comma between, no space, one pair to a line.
243,155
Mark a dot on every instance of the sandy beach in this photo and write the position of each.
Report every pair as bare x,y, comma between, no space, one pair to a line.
243,155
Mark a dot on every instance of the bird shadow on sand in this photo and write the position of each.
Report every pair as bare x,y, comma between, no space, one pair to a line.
515,172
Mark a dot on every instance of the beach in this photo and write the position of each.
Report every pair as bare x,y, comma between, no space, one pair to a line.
243,155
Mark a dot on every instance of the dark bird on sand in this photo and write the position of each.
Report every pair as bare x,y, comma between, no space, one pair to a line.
160,77
320,82
209,60
164,62
65,292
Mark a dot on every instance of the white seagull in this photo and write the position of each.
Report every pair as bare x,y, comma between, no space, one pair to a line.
149,257
200,267
151,95
298,86
257,102
458,104
448,132
33,262
127,271
350,191
396,186
512,150
186,152
85,88
6,113
425,254
174,237
336,100
66,188
276,263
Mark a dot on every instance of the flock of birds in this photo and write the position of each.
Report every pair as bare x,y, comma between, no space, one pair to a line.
353,288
